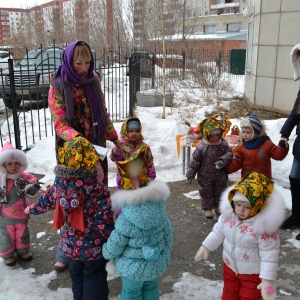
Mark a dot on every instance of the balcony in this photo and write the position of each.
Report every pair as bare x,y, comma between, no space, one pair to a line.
225,4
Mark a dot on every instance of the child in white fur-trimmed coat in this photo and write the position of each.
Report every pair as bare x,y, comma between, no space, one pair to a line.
251,212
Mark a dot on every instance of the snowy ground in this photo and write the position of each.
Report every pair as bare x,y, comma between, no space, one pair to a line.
160,134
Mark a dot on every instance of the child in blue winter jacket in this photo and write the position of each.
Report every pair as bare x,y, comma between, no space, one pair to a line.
142,239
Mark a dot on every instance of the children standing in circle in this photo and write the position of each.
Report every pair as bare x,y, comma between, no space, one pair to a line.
136,155
83,213
256,150
14,233
252,211
209,160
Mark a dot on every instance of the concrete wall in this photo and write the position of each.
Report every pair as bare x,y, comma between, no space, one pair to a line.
273,30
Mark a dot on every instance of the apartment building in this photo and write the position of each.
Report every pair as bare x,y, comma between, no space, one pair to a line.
59,19
187,17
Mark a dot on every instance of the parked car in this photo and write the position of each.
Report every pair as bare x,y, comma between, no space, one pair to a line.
142,64
33,74
4,56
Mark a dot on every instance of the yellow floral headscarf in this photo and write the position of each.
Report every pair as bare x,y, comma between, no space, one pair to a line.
122,166
212,123
78,153
256,187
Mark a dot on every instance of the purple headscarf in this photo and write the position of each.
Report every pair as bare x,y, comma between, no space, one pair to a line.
65,74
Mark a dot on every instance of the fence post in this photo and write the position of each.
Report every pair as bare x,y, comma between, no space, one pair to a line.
183,65
131,86
14,103
153,63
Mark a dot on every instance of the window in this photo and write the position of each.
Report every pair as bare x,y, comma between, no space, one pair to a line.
209,28
233,27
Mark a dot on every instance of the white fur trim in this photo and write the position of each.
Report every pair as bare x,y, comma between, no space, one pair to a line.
15,155
295,61
156,190
111,268
238,196
268,220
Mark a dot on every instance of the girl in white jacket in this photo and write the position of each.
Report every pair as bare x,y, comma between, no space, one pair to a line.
252,211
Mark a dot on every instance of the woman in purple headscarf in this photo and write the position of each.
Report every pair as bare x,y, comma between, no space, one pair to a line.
78,108
77,103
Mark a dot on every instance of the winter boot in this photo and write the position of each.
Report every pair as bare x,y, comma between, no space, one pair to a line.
209,214
10,261
294,219
25,256
60,267
217,211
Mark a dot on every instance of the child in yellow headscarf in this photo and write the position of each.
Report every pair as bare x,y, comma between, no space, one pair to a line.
135,161
209,160
83,213
252,211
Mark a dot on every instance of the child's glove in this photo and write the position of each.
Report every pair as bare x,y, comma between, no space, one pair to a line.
189,180
203,252
32,190
219,164
283,143
268,289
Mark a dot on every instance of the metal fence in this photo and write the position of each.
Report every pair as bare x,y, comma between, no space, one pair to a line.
24,84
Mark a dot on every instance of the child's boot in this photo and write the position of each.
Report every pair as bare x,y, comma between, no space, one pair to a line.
60,267
217,211
10,261
25,256
208,214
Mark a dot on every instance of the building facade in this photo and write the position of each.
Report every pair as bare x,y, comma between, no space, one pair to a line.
62,20
186,18
273,30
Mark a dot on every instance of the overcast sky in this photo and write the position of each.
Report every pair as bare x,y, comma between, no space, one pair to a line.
21,3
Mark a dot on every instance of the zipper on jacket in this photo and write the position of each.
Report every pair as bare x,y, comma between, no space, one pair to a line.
233,249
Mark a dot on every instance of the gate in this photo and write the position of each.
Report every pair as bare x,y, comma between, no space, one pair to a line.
24,114
25,117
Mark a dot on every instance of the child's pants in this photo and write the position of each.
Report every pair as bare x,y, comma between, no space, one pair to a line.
60,254
14,238
139,290
89,279
240,286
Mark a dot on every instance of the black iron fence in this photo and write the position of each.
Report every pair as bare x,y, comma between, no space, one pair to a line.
24,83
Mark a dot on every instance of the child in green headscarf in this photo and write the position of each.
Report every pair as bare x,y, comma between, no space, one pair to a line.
209,160
252,211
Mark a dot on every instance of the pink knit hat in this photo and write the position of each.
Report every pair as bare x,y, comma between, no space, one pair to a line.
9,154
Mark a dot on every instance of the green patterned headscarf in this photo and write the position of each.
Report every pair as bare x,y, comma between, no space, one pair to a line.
78,153
212,123
256,187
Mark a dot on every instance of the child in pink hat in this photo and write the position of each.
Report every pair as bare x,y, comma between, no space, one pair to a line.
15,186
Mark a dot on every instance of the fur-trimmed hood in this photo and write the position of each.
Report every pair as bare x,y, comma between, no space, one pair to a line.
268,220
10,153
144,207
156,190
63,171
295,61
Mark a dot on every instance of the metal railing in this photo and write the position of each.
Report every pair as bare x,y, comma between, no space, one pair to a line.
25,118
